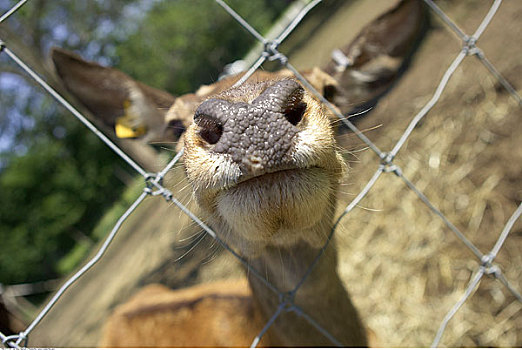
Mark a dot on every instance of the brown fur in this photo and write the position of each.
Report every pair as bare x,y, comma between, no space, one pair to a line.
105,91
278,221
378,55
193,317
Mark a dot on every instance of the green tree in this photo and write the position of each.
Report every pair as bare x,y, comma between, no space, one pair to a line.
56,178
52,197
183,44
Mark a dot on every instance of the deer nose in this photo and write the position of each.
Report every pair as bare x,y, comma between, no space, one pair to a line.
258,135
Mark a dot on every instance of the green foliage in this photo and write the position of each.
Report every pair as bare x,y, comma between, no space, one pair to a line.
73,258
183,44
109,219
56,177
80,251
104,226
52,196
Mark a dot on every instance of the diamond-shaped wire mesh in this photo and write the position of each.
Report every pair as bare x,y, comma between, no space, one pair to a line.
385,165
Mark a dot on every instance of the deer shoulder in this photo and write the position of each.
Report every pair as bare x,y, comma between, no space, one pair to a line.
200,316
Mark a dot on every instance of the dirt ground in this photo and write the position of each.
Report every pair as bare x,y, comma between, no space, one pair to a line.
402,265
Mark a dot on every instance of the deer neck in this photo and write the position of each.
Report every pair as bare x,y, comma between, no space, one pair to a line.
283,258
321,296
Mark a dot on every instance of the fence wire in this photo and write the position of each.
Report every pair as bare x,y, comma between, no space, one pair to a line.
154,181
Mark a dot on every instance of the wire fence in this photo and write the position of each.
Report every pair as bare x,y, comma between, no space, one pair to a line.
154,181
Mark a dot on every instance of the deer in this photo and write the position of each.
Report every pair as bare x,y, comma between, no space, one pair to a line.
263,163
264,166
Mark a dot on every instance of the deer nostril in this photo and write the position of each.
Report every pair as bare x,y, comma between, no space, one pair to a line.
294,107
295,114
210,129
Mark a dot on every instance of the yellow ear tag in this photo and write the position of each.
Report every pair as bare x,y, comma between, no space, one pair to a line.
125,132
123,124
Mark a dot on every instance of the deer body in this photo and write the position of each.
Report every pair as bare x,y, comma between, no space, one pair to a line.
232,313
264,166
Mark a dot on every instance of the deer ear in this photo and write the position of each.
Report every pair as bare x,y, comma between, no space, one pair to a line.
368,67
132,108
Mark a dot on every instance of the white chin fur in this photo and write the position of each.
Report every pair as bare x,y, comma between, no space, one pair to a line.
277,206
